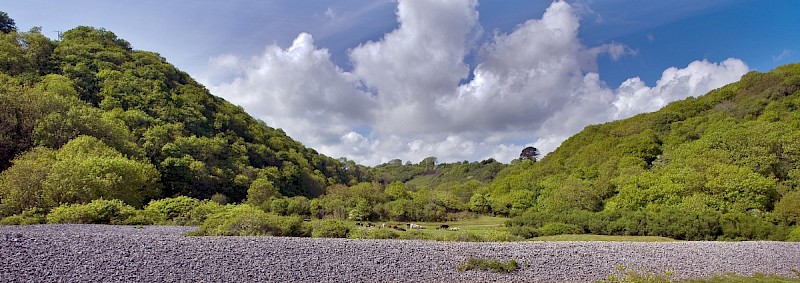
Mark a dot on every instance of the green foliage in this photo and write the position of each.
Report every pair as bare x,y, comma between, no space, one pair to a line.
643,275
381,234
794,236
27,217
86,169
7,23
206,208
92,83
245,220
493,265
555,228
98,211
755,278
175,210
329,228
788,208
261,191
21,185
720,166
501,236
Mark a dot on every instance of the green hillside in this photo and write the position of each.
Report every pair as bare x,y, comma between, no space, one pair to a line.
725,165
89,117
93,131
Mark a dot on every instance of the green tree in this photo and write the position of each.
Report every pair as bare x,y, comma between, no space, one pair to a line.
7,24
261,191
21,185
88,169
788,208
529,153
479,203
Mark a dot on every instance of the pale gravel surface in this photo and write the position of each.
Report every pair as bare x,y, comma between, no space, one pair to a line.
99,253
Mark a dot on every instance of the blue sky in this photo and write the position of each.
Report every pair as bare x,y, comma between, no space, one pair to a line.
510,77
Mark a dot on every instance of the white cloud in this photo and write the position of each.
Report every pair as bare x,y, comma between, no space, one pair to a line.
700,77
406,97
300,90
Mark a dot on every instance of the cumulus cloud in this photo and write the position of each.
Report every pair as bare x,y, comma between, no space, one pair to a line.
408,95
700,77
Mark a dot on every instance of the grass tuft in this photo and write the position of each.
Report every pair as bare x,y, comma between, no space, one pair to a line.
493,265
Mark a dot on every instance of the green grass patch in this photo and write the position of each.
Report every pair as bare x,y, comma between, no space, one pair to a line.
757,278
643,275
493,265
479,229
601,238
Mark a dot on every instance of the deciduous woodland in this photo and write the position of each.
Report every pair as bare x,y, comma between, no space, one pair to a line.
94,131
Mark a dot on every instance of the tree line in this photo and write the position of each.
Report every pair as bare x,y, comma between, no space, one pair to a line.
87,117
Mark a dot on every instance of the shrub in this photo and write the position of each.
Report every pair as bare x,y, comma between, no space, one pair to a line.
463,237
525,232
382,234
142,217
501,236
743,226
173,210
554,228
27,217
794,236
206,208
492,265
246,220
219,198
98,211
627,274
417,235
329,228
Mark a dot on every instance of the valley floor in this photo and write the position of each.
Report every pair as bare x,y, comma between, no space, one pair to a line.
101,253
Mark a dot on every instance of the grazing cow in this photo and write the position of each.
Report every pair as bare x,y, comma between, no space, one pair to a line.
454,229
383,225
359,224
415,226
444,226
370,225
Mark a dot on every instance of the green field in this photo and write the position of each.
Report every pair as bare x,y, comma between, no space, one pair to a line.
601,238
492,229
483,228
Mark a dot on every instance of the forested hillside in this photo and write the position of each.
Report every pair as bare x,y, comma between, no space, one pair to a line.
89,117
93,131
724,165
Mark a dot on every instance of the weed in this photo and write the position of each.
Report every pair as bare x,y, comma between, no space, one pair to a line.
493,265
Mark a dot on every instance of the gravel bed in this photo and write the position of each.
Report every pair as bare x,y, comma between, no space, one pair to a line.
101,253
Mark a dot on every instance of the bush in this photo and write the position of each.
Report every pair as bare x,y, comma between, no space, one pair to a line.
206,208
463,237
417,235
246,220
381,234
329,228
173,210
492,265
627,274
554,228
27,217
143,217
98,211
501,236
742,226
525,232
794,236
